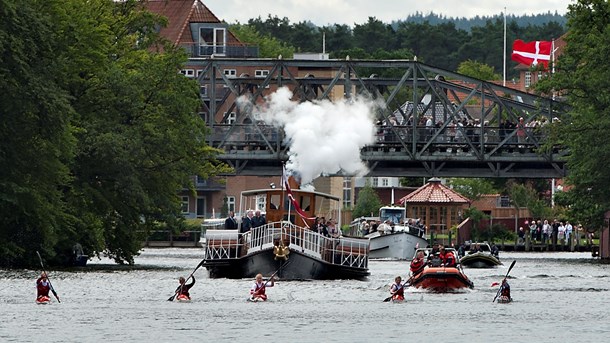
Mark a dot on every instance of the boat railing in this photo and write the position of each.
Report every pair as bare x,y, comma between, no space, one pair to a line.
351,252
229,244
222,244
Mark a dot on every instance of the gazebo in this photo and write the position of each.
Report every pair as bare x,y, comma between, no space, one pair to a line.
436,204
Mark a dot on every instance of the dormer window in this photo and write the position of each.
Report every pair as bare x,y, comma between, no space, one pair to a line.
212,41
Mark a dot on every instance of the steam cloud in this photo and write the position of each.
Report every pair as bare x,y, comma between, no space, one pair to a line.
324,137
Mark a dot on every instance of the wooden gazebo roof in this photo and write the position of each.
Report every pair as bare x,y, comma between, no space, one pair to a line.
436,193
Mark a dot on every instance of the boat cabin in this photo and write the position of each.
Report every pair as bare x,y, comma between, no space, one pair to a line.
277,205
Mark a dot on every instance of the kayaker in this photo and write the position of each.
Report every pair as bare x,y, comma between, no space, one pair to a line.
505,290
418,263
183,289
257,291
397,290
43,286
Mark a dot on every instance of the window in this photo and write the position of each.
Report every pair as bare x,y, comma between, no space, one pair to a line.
200,207
231,117
385,182
203,90
539,77
375,182
347,192
185,204
230,72
261,201
261,73
231,203
199,72
528,79
212,41
201,181
188,72
504,201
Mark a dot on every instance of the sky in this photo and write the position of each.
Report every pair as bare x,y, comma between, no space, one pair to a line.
350,12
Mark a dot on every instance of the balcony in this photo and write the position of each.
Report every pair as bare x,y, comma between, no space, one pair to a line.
196,50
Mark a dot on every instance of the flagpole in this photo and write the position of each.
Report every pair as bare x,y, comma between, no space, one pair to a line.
285,184
504,53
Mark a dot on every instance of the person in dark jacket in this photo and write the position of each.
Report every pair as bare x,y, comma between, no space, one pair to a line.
231,222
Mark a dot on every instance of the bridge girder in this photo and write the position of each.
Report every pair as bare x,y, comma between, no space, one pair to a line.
405,148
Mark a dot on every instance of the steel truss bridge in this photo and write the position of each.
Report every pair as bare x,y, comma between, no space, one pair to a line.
466,140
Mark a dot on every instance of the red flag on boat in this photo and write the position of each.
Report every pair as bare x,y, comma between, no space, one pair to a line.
532,53
295,204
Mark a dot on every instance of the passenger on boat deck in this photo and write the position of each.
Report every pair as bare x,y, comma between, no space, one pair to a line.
257,291
333,230
231,222
447,257
397,289
384,228
319,226
246,222
183,289
418,263
258,219
433,257
505,289
43,286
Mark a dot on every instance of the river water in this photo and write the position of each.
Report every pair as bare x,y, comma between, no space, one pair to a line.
558,297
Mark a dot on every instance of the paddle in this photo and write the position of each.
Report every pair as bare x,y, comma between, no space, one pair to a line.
271,277
403,287
509,269
185,280
50,285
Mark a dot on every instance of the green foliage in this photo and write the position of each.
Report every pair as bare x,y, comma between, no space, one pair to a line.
268,46
98,131
440,42
478,70
582,74
472,188
368,202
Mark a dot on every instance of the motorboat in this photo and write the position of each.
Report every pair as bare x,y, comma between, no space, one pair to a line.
396,237
480,256
437,278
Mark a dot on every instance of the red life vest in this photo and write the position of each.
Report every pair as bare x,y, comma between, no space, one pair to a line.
417,265
43,287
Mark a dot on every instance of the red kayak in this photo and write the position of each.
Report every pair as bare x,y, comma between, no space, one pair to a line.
183,298
43,300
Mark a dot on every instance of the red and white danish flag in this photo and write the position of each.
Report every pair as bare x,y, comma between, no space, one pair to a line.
532,53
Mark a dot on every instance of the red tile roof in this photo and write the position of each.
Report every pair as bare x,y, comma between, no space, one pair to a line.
434,192
179,14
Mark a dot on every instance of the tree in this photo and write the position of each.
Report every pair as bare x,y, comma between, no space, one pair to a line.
472,188
374,35
368,202
478,70
99,130
268,46
582,74
36,142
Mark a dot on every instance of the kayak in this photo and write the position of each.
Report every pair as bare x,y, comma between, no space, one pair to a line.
183,298
398,299
504,299
43,300
256,299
